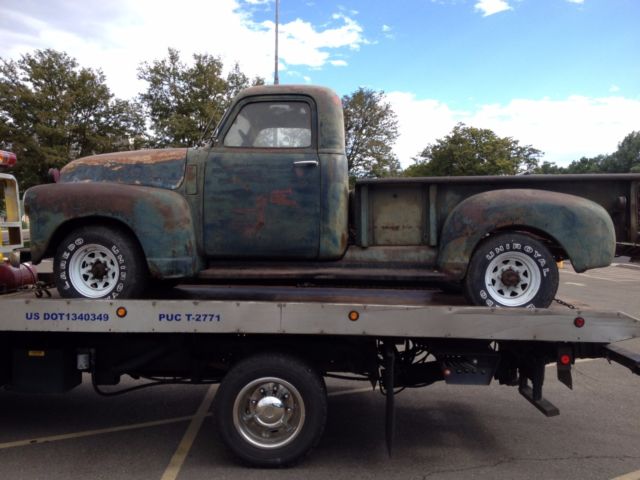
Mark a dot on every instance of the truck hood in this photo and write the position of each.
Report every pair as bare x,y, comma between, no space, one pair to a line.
153,168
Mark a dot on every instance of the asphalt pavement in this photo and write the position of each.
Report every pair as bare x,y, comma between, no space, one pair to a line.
442,431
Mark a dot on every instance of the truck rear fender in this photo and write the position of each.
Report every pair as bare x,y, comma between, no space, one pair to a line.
581,228
159,219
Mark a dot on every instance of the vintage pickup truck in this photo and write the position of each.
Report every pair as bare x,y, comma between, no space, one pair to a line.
268,200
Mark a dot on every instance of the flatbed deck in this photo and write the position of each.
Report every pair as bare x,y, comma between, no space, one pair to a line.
313,311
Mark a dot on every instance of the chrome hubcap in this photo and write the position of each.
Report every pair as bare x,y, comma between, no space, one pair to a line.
269,412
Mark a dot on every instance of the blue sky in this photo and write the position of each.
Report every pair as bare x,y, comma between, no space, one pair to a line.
562,75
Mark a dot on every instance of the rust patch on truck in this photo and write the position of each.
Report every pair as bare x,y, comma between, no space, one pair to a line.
113,160
152,168
282,197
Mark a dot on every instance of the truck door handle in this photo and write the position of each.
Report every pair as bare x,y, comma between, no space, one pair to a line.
306,163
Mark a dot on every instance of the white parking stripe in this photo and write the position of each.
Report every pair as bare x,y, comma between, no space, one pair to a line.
134,426
629,476
89,433
173,469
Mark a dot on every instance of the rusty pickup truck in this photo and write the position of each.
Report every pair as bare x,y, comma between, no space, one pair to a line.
268,200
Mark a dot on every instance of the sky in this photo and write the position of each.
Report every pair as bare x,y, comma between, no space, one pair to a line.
560,75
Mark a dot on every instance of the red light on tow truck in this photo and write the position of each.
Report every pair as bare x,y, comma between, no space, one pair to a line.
565,359
579,322
7,159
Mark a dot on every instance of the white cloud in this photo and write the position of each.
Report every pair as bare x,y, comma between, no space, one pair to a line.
338,63
580,2
614,89
387,32
564,130
490,7
419,122
134,32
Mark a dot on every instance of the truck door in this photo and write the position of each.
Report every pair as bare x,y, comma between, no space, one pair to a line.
262,183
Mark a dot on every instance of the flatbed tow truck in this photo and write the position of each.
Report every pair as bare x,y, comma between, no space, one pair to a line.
271,347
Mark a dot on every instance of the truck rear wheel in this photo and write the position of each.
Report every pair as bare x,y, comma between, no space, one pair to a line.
271,410
99,262
512,270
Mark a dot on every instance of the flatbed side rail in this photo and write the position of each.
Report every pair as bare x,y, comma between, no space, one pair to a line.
309,318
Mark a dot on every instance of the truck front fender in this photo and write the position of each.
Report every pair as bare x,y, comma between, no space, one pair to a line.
159,219
582,228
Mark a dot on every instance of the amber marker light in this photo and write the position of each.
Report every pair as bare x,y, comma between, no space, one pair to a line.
121,312
353,315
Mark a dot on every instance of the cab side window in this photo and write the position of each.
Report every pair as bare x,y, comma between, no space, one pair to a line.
271,125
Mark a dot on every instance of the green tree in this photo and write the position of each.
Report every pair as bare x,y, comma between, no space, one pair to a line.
52,111
549,168
183,100
626,158
586,165
371,129
474,151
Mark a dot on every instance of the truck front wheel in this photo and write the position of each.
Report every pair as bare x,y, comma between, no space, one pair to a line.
99,262
271,410
512,270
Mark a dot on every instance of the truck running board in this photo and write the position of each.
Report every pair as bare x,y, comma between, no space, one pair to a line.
624,357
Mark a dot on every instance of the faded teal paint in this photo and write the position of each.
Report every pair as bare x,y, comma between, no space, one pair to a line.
582,228
334,206
160,219
260,205
152,168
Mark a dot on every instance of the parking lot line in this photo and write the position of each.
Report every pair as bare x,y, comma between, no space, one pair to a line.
88,433
176,462
629,476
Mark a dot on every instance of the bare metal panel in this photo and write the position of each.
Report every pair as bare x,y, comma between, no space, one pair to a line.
397,214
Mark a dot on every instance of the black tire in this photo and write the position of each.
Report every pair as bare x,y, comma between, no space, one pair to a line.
512,270
275,390
99,262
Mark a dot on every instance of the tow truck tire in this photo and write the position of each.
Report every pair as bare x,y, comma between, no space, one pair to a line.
512,270
99,262
271,409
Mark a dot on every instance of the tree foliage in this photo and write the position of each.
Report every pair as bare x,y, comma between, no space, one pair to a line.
52,111
474,151
181,100
371,129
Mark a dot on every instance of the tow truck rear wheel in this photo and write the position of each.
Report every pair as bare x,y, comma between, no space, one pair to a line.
512,270
271,409
99,262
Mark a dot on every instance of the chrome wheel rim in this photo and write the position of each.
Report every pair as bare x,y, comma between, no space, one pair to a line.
269,413
94,271
513,279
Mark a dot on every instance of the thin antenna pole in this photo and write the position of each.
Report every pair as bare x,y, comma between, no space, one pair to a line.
276,80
